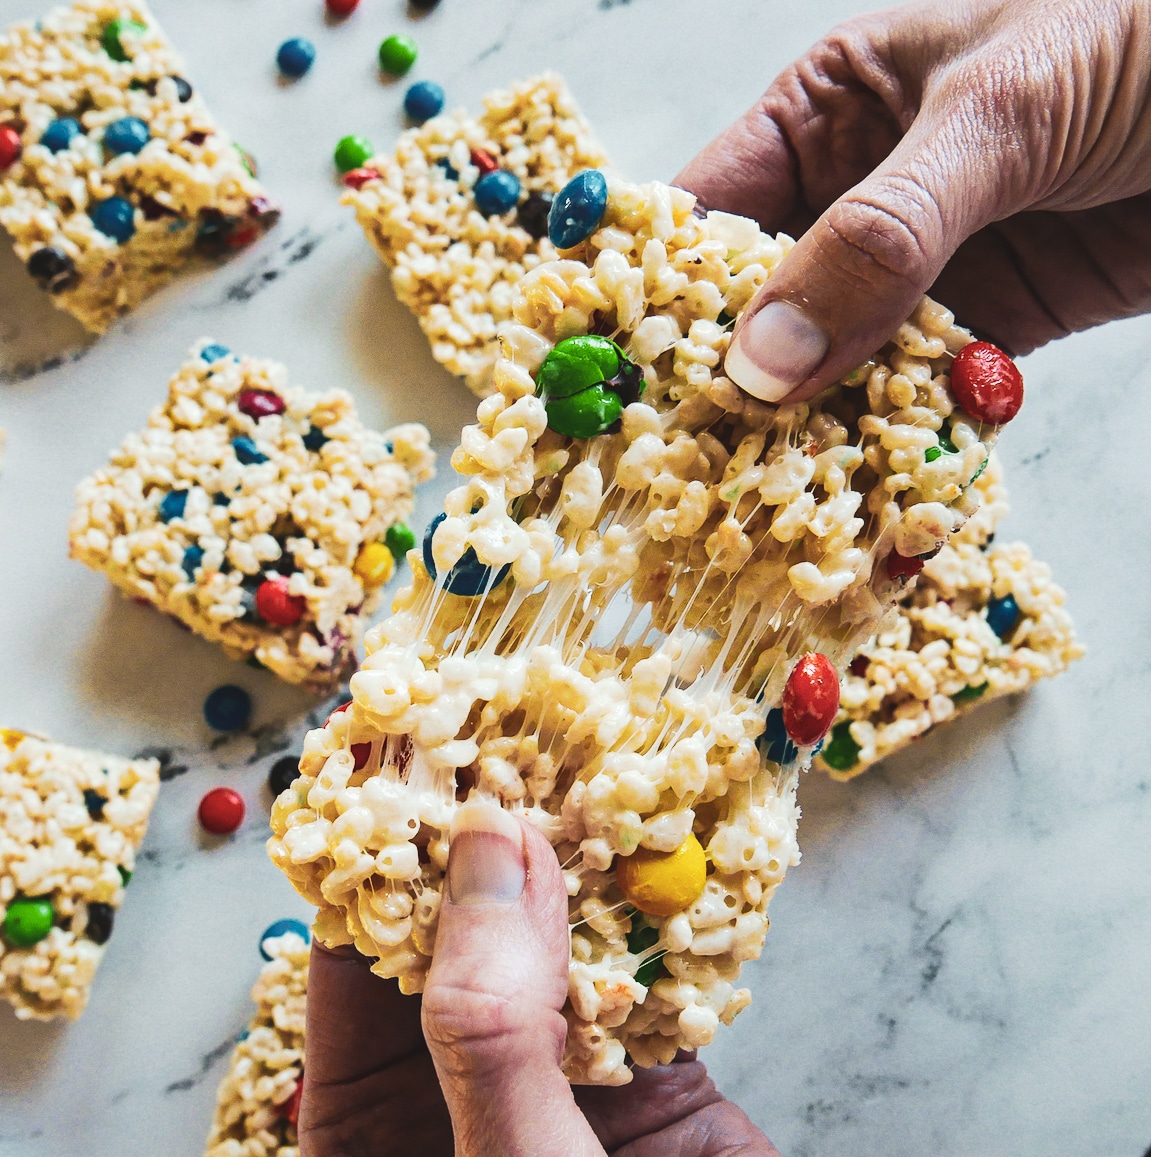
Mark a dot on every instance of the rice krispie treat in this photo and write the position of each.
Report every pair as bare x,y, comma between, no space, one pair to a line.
454,265
264,516
627,625
112,170
982,621
70,824
259,1098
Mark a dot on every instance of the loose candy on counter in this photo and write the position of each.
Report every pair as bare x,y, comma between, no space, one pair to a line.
399,539
228,708
663,883
60,133
112,38
423,5
496,192
424,100
374,565
351,152
283,773
28,920
578,209
468,577
1003,615
115,218
987,384
276,605
295,56
341,8
397,54
127,135
810,699
282,928
11,147
221,811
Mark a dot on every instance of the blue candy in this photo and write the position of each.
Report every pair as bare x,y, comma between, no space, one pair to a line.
578,209
247,451
172,505
1003,615
451,173
424,100
469,576
280,928
497,192
296,56
127,135
314,439
774,742
115,218
214,352
60,133
228,708
193,557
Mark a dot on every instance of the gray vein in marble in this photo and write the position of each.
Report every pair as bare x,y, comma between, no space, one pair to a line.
208,1062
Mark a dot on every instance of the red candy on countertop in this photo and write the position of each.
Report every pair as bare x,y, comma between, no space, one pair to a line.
358,178
274,605
986,383
10,147
361,752
221,811
899,566
484,161
260,403
341,7
810,699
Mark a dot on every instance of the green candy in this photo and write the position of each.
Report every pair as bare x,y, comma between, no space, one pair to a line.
352,152
966,694
110,38
585,383
28,921
577,363
841,752
586,414
946,446
642,937
125,875
399,539
397,54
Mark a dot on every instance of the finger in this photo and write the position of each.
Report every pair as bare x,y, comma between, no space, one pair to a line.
495,989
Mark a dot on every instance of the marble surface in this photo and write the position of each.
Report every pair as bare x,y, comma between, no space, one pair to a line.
959,966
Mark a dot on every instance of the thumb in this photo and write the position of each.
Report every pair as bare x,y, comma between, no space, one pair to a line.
491,1007
860,270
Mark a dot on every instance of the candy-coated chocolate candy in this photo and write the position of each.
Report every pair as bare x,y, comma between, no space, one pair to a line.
946,446
94,803
810,699
228,708
424,100
859,665
314,439
52,268
282,928
423,5
532,214
1003,615
966,694
578,209
172,505
114,34
586,414
496,193
260,403
841,751
399,539
900,567
358,178
276,606
101,918
397,54
10,147
352,151
214,352
247,451
341,7
775,743
192,561
60,133
11,738
221,811
295,56
126,135
469,576
986,383
576,363
450,171
183,88
283,774
663,883
115,218
374,564
640,940
125,875
291,1106
483,160
361,752
28,920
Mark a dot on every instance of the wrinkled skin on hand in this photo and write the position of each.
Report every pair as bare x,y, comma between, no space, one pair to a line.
997,152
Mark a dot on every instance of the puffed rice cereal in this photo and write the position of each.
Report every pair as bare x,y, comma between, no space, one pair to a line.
254,512
643,598
189,188
70,824
254,1104
454,268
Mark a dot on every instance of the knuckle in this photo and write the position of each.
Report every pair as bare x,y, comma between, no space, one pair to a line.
893,237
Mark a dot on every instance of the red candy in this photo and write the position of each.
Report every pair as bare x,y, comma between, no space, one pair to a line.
10,147
900,567
291,1107
274,605
484,161
361,752
358,178
221,811
810,699
260,403
341,7
986,383
858,666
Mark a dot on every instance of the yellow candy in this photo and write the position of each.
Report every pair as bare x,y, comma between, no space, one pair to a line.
375,564
11,739
663,883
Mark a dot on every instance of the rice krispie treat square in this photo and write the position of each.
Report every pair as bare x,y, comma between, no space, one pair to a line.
70,824
264,516
452,264
258,1100
112,169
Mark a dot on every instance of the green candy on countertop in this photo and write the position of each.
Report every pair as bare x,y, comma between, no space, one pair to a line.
585,383
28,920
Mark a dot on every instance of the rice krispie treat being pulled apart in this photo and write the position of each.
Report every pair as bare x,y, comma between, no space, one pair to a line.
982,621
453,264
112,170
258,1101
628,623
70,824
264,516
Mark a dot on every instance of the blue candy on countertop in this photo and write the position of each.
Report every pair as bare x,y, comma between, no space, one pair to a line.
247,451
192,559
578,209
228,708
281,928
60,133
424,100
172,505
469,576
214,352
295,56
1003,615
127,135
115,218
496,193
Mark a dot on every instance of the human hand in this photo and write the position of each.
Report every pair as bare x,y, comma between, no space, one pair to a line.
1000,149
494,1035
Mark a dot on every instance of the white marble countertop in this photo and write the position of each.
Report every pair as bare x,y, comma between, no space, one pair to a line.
960,964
